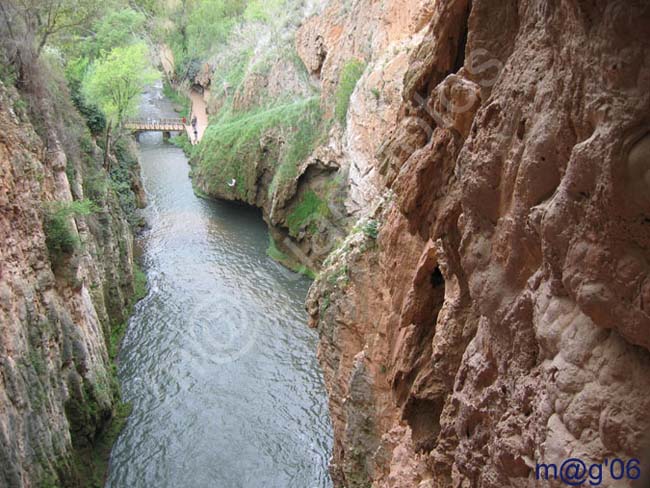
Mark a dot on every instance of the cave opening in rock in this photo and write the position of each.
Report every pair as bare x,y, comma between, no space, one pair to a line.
436,278
423,416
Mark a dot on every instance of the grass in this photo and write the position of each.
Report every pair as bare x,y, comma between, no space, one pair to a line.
348,79
310,209
302,143
230,147
184,143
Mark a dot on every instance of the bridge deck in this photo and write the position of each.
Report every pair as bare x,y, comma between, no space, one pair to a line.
161,125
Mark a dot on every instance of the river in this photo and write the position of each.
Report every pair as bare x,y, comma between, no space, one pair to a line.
217,361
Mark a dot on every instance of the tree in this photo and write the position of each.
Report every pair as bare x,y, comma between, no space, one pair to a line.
27,25
115,82
115,29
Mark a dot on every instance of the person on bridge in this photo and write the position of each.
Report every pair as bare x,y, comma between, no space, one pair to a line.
194,123
184,121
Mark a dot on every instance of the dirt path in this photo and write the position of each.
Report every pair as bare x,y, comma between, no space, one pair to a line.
199,108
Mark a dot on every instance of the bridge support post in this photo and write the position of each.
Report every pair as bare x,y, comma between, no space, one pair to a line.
137,136
166,135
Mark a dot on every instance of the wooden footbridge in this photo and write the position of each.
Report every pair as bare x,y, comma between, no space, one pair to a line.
166,126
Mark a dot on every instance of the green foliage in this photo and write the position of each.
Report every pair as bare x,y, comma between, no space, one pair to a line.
95,120
232,70
95,185
302,143
60,238
210,23
74,73
116,81
36,24
139,283
183,141
116,29
262,11
371,229
7,74
309,211
348,79
117,333
274,253
376,93
339,277
121,176
181,101
199,28
304,270
325,304
231,145
90,462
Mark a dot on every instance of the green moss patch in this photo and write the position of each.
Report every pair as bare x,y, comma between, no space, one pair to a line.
309,210
231,149
348,79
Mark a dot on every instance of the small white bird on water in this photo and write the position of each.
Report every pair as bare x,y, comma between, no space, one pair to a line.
232,183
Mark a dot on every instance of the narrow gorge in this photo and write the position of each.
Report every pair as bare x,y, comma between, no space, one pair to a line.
398,244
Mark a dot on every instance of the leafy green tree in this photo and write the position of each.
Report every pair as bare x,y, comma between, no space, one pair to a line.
210,22
27,26
116,29
262,10
115,82
199,26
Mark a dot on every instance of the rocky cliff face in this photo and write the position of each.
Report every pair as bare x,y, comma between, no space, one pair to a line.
490,309
58,309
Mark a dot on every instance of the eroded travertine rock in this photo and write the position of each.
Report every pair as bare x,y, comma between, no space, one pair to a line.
56,390
501,317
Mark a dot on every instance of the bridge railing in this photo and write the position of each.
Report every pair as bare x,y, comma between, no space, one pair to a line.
154,123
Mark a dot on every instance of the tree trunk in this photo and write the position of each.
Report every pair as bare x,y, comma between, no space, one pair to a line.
107,147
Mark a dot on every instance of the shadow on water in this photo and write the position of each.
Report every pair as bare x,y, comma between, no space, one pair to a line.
218,361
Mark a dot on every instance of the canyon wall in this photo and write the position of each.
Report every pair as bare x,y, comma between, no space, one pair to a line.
483,250
490,309
66,290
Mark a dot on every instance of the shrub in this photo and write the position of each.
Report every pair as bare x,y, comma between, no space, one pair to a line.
121,179
371,229
184,143
348,79
60,238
